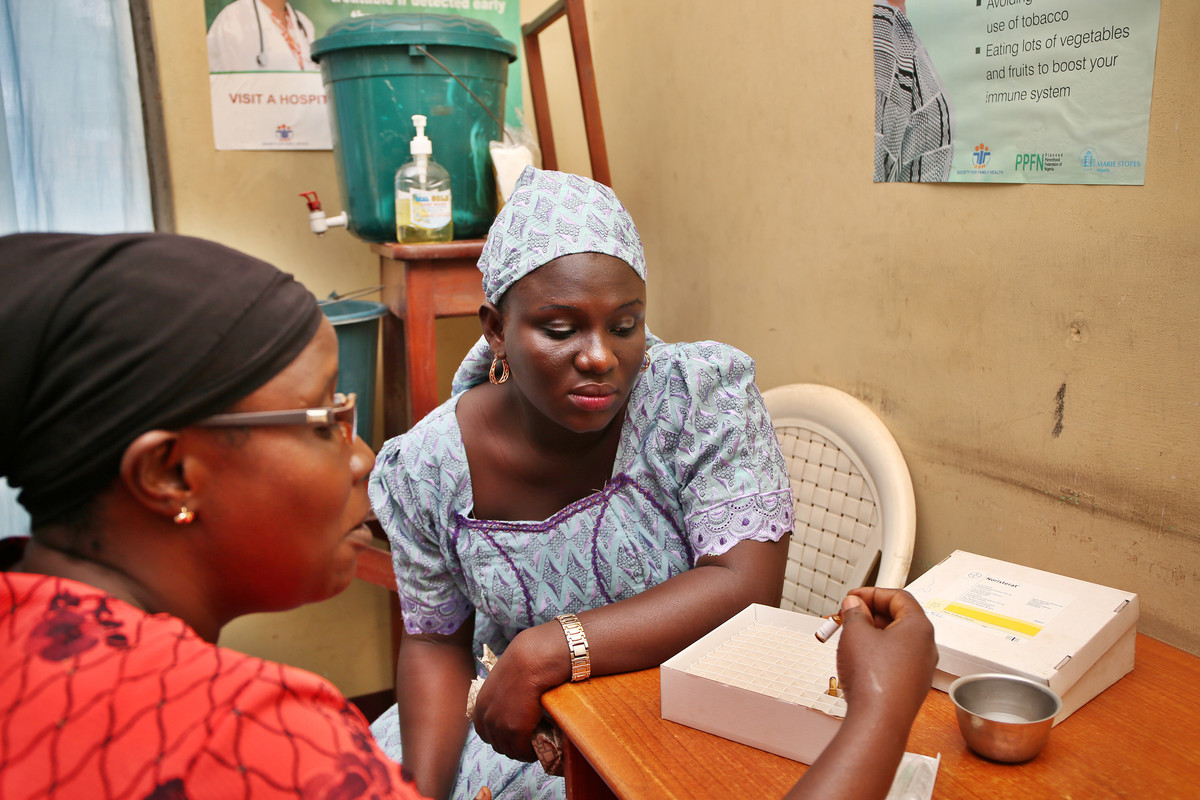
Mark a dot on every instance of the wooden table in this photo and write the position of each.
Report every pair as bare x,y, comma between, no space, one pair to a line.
421,283
1140,738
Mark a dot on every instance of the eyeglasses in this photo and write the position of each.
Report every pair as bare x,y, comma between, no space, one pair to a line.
342,414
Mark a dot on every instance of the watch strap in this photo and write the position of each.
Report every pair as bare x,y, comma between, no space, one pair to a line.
577,643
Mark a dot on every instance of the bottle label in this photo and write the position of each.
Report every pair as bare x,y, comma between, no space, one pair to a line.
430,210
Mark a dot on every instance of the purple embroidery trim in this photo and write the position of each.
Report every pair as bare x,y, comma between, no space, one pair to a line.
614,485
596,557
486,531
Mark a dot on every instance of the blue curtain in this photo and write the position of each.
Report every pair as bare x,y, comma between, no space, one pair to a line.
72,146
75,154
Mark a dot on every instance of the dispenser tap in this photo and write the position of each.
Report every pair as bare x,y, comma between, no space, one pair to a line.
317,221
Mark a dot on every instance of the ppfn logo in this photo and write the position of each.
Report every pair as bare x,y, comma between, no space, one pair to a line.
283,132
981,156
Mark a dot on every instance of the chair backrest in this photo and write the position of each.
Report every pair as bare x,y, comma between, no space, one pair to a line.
853,496
589,99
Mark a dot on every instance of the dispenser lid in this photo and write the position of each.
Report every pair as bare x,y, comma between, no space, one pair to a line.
375,30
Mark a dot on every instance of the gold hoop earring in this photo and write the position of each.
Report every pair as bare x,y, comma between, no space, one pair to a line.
645,362
492,370
184,517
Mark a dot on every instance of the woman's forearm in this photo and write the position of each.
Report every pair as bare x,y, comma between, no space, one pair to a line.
635,633
644,630
647,629
859,763
431,688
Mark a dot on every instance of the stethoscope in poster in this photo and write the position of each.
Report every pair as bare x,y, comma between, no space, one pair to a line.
1013,91
267,92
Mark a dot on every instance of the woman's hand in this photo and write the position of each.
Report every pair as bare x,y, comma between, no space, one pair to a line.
509,705
886,655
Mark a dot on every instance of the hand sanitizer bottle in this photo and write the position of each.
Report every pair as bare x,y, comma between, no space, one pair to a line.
423,203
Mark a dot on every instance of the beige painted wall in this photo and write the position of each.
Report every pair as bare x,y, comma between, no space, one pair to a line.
742,146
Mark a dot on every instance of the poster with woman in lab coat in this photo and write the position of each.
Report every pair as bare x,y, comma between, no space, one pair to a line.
252,35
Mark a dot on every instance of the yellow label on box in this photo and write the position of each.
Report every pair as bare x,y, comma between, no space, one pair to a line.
995,620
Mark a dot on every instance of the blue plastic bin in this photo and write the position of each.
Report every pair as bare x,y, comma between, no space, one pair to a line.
357,325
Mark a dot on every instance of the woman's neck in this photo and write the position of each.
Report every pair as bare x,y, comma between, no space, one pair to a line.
522,465
278,8
44,556
553,440
62,562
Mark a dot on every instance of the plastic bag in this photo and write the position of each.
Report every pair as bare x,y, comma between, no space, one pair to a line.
510,157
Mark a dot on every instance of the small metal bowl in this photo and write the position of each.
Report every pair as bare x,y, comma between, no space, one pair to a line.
1004,717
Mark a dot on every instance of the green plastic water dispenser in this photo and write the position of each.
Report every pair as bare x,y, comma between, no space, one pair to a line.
381,69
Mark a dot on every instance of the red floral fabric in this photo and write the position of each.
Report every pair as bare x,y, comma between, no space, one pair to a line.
101,700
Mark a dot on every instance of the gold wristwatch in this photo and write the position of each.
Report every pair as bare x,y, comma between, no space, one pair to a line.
577,643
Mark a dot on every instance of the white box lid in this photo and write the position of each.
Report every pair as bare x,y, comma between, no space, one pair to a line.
996,616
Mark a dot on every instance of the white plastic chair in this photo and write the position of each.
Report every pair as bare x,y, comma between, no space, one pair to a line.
853,497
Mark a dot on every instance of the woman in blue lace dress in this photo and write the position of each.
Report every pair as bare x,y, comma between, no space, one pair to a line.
582,467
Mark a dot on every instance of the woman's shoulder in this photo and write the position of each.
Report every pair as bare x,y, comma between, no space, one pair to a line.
430,437
59,618
234,13
87,650
693,368
692,386
703,352
304,19
422,472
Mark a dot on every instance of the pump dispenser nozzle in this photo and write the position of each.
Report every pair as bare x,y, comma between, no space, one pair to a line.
420,146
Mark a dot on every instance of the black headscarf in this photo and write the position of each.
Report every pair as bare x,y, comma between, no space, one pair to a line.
103,338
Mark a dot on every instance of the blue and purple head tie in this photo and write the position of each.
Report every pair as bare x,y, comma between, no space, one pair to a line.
551,214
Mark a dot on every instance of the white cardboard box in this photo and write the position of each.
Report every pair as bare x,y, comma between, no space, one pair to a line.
994,616
760,679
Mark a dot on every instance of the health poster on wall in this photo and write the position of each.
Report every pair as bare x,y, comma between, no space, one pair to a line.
266,90
1013,91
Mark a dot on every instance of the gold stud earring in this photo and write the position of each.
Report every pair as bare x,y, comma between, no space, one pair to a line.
184,517
645,362
492,370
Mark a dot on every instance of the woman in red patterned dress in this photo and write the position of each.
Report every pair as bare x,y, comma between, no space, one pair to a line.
169,415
